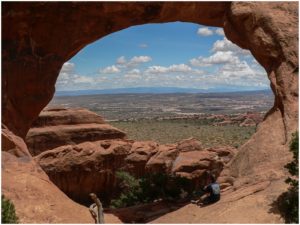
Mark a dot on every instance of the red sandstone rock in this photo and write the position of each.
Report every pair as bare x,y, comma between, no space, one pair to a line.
31,60
85,168
190,144
36,198
63,116
225,153
138,156
162,161
248,123
90,166
41,139
68,126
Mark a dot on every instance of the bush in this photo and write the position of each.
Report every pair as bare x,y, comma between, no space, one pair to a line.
8,211
131,190
289,201
148,188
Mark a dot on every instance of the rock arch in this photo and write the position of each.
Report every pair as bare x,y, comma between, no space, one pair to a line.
38,38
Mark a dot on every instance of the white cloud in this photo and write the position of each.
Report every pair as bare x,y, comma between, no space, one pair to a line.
140,59
82,79
143,45
157,69
67,67
216,58
205,31
175,68
110,69
133,74
220,31
134,61
227,65
180,68
226,45
69,79
121,60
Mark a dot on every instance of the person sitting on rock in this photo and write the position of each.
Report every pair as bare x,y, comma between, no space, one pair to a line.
212,189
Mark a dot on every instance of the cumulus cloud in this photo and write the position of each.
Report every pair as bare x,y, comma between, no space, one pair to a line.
134,61
225,45
216,58
205,31
82,79
69,79
121,60
175,68
67,67
110,70
140,59
242,74
220,31
133,74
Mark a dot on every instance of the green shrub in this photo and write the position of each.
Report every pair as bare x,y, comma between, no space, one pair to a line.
8,211
148,188
131,190
288,202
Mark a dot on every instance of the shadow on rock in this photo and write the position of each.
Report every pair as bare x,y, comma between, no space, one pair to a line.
145,213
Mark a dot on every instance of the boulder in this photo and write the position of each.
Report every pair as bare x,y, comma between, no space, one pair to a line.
139,155
190,144
85,168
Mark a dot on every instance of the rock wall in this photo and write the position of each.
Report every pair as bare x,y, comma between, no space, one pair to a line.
37,38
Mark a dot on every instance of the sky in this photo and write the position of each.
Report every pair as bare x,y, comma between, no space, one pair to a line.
177,54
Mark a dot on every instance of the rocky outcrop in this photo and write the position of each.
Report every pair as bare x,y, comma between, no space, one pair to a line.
55,128
88,167
139,155
91,166
249,119
64,116
32,59
35,198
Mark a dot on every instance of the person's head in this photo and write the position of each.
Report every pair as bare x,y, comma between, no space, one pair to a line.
210,178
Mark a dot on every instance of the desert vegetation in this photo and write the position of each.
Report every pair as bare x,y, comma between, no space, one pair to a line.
149,188
8,213
288,202
171,131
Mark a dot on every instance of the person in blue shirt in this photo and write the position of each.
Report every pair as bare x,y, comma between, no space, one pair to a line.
212,191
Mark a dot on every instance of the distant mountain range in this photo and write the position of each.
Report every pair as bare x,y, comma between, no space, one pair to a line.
151,90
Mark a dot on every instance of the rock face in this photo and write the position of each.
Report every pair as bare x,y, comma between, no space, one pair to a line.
81,153
90,166
35,198
32,58
55,128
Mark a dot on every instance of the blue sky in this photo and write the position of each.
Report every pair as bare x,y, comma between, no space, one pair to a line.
175,54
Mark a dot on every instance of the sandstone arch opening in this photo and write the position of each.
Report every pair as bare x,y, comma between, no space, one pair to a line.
32,60
217,65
